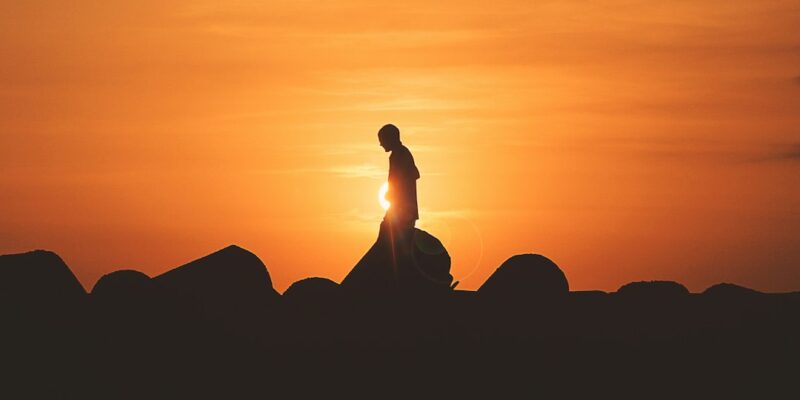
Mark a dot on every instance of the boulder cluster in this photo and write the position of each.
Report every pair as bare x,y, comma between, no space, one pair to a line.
216,327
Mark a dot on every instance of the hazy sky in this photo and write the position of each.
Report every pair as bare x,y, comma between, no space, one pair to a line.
625,140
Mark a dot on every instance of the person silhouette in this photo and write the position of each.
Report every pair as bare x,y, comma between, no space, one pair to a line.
397,228
403,174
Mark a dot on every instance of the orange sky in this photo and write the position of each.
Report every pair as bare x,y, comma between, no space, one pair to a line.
626,140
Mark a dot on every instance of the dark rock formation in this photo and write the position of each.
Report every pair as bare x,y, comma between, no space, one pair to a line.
38,278
387,268
652,290
588,295
432,258
42,325
226,283
730,291
524,278
125,297
210,329
729,303
122,284
312,292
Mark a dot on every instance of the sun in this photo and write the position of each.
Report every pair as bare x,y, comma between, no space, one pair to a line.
382,196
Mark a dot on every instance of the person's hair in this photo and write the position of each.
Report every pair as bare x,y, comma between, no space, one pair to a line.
389,133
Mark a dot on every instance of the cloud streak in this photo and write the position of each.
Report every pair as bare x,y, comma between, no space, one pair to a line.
342,171
350,149
681,148
783,152
790,152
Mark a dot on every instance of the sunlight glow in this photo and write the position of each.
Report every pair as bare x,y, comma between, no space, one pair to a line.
385,204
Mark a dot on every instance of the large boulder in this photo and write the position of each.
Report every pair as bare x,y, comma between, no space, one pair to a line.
126,309
228,283
388,268
124,294
655,289
38,278
312,292
312,310
525,277
735,299
666,296
432,258
123,285
44,332
731,291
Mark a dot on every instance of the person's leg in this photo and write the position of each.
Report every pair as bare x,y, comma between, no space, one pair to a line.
404,250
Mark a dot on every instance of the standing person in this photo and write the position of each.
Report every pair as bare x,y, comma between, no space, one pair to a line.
403,174
397,228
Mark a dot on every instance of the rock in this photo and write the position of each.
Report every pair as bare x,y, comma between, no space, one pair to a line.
730,291
38,278
386,269
126,295
312,292
652,290
125,306
734,300
432,258
524,278
222,284
588,295
313,307
124,284
44,329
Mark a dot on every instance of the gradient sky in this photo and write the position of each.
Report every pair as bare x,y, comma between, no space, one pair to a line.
626,140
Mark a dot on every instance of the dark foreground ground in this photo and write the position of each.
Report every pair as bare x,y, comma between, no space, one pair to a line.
199,332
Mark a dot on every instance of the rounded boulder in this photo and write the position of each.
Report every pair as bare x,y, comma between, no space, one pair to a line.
526,277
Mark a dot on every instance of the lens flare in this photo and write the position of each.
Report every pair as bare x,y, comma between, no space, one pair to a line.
382,196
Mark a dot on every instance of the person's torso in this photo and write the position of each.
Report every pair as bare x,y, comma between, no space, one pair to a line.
403,175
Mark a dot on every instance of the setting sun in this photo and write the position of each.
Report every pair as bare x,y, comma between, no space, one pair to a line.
385,204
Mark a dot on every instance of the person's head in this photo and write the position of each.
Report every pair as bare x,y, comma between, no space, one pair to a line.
389,137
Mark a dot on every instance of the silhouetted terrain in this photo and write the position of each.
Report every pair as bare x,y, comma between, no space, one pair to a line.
215,327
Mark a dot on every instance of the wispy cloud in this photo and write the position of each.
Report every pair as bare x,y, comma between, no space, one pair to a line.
778,152
358,171
349,149
343,171
449,214
788,152
682,148
794,153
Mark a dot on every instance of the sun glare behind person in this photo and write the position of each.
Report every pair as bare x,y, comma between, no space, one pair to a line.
385,204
